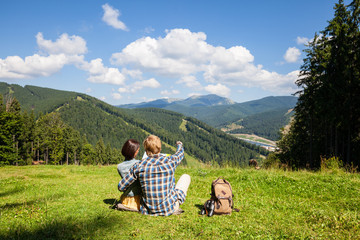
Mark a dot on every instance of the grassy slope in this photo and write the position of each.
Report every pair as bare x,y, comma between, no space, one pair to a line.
72,202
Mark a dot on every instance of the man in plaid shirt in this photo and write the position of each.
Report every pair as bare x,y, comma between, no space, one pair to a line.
160,196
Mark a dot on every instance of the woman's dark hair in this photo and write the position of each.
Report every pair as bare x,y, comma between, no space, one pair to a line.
129,149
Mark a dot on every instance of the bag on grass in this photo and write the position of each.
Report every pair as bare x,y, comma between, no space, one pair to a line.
221,201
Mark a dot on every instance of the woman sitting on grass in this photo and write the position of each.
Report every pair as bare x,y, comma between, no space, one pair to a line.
130,199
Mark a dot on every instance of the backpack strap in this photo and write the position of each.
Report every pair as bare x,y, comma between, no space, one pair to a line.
221,177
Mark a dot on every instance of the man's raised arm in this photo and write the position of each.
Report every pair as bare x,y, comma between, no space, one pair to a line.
179,155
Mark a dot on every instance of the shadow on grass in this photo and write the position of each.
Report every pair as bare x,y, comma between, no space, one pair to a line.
69,228
199,206
30,203
10,192
111,202
18,204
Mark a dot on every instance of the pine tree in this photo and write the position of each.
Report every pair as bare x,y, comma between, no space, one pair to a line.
72,144
49,134
11,126
27,139
100,154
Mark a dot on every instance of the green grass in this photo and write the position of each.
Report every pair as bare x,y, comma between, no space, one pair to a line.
74,202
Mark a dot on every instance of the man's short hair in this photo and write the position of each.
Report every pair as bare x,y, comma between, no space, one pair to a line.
129,149
152,145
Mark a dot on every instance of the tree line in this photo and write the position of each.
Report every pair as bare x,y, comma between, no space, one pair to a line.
25,139
327,116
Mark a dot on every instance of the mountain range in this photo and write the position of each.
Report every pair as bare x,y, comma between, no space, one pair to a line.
263,117
193,101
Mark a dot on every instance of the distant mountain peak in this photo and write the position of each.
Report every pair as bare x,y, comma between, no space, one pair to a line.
194,96
206,100
171,100
193,101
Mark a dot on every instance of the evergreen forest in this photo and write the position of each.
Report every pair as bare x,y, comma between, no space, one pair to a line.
264,124
47,139
326,122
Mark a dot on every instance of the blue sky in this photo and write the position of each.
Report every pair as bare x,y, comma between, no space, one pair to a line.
134,51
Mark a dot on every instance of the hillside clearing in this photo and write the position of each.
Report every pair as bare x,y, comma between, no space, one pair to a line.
73,202
255,138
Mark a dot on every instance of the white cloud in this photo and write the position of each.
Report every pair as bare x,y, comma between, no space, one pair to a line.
110,17
148,30
292,55
122,90
151,83
53,57
302,40
98,73
66,50
72,45
218,89
14,67
88,90
190,81
116,96
305,41
102,98
182,54
138,85
132,73
169,93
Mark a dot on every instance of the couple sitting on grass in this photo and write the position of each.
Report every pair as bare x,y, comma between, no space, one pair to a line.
149,184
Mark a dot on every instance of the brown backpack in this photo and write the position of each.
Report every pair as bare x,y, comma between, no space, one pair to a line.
221,193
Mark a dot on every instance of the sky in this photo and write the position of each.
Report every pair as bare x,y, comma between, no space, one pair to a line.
123,51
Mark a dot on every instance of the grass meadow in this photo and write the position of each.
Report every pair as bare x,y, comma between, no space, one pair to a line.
74,202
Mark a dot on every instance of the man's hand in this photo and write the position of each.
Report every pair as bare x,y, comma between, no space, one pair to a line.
179,143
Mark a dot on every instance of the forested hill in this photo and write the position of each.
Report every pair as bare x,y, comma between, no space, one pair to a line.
96,119
37,99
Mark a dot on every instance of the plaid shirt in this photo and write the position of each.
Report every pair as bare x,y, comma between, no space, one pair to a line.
156,176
